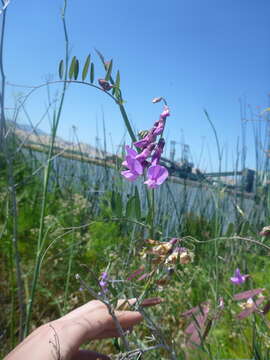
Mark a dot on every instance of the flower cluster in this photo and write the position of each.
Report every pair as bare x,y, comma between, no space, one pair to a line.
165,253
168,253
149,156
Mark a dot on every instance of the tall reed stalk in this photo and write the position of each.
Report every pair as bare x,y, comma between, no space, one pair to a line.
47,171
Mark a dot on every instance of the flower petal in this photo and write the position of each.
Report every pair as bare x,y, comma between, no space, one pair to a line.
131,152
134,165
151,184
129,175
163,174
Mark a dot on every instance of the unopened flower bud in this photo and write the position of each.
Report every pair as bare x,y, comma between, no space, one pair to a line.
156,100
105,84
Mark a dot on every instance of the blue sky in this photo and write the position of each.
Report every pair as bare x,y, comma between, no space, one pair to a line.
196,53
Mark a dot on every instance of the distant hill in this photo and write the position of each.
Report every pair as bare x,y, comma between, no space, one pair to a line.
35,136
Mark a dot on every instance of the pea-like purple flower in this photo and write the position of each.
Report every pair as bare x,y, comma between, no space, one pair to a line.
135,168
238,278
156,175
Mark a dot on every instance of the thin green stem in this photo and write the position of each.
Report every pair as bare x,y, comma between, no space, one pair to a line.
70,260
216,137
127,122
153,213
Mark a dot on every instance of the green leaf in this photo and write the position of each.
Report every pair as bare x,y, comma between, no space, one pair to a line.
119,206
117,84
113,203
137,204
105,65
109,71
72,67
92,73
61,69
86,67
100,56
116,204
130,208
76,69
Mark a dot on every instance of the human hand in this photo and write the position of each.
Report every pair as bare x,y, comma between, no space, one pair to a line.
61,339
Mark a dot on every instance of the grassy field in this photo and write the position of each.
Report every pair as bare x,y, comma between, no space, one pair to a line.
87,231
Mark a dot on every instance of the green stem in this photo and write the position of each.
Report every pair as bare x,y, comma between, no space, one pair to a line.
153,213
127,123
70,260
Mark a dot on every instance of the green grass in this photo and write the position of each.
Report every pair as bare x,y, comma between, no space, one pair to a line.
86,234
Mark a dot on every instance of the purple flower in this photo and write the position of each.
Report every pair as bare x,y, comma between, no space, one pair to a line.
158,151
134,165
135,170
156,174
103,283
238,279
